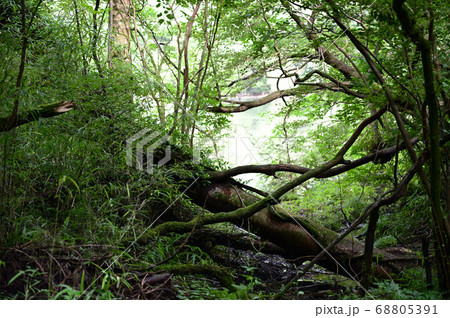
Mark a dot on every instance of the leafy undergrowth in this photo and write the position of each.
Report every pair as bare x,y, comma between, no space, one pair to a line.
72,212
65,273
163,269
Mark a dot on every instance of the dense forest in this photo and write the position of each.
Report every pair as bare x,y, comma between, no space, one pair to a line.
115,116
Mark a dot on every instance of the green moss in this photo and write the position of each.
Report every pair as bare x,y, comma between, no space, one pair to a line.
222,274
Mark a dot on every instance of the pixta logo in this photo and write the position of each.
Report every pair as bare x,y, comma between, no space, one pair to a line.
142,146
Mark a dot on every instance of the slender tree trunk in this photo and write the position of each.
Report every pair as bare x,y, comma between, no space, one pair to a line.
80,38
95,39
441,226
120,30
426,261
368,249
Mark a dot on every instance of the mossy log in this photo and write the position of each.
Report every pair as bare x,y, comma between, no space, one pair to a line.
43,111
222,274
299,237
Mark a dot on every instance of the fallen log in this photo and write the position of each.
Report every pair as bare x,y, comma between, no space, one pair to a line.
43,111
300,238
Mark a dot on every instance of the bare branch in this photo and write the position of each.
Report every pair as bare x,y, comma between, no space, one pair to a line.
337,86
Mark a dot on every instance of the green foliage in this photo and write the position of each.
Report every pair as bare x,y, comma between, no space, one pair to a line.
385,241
391,290
65,182
410,285
32,278
194,288
165,247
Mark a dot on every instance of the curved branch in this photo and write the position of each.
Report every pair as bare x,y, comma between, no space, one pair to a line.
396,194
272,66
248,211
246,105
381,156
334,88
338,86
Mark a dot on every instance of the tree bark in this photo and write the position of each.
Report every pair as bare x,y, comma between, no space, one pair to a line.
43,111
440,219
297,237
300,238
119,46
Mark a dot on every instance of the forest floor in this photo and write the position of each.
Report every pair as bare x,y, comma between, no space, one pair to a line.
30,272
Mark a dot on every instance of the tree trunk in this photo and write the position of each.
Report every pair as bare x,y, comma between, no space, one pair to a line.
441,227
300,238
120,31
